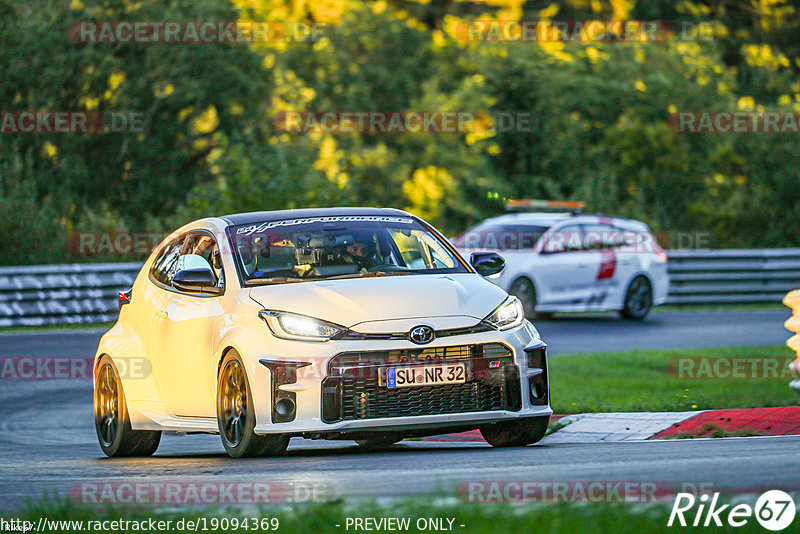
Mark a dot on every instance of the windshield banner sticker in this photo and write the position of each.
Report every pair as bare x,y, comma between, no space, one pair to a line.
259,228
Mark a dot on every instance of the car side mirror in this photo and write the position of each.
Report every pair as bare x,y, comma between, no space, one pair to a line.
487,263
201,280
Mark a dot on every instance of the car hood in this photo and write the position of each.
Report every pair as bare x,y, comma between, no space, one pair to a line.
355,300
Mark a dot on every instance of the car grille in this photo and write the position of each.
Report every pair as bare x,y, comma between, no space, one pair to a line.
462,331
352,389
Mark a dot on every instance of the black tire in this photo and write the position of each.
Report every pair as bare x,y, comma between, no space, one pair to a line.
516,433
524,290
236,417
111,420
379,442
638,299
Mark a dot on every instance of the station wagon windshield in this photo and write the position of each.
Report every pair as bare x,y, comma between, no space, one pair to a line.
316,248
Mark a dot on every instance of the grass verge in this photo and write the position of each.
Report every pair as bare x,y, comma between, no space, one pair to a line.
647,380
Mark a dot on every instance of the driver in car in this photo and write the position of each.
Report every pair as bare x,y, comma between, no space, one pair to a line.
362,253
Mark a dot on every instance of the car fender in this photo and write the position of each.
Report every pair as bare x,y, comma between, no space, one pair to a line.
125,346
249,339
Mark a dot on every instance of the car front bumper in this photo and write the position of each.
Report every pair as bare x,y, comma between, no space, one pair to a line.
308,385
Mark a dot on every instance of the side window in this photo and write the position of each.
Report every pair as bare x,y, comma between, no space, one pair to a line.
200,251
166,264
602,237
568,239
420,250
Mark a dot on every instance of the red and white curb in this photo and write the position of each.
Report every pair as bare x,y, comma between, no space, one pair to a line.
761,421
634,426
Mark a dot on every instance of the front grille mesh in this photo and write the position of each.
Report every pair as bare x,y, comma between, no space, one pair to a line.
354,390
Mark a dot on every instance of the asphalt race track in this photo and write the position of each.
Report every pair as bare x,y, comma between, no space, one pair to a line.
48,445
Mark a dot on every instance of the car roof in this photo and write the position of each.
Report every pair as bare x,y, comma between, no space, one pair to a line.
253,217
542,218
550,218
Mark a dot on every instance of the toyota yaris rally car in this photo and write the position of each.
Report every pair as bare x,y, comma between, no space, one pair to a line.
565,262
362,324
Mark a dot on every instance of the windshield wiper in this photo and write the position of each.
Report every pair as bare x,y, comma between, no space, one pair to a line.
368,274
276,280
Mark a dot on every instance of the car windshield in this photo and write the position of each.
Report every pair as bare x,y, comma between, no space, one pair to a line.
339,247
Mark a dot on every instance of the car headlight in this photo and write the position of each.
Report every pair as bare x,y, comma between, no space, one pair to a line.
299,327
508,315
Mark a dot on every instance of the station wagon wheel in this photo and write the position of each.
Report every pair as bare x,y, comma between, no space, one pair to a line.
638,299
236,418
525,291
111,420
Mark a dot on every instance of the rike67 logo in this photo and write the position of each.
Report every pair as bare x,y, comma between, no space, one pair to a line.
774,510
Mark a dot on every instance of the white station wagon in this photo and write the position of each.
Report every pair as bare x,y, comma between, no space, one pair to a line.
567,262
348,323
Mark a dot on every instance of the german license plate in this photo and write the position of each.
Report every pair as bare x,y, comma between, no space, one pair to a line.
428,375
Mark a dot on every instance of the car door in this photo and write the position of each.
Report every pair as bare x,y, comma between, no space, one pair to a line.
567,269
606,240
183,330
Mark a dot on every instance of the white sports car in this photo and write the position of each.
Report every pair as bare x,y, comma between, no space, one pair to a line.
351,323
563,262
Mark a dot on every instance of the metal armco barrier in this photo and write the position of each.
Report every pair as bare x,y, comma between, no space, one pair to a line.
793,325
63,294
85,293
732,276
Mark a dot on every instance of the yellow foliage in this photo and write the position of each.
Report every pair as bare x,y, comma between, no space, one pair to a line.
328,162
206,122
763,56
88,103
115,80
164,90
49,149
427,189
746,103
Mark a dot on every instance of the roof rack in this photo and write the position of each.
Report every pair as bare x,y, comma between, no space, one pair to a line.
573,206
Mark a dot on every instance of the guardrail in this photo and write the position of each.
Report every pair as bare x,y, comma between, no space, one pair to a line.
63,294
793,325
87,293
732,276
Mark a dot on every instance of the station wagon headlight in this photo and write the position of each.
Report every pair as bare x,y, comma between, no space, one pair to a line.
508,315
299,327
